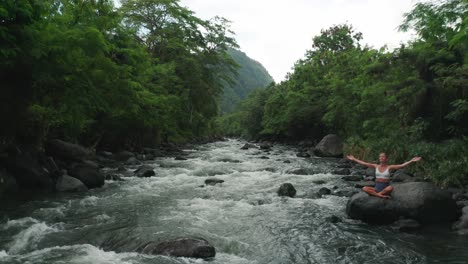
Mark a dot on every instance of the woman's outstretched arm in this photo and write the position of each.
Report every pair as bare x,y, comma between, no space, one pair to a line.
367,164
399,166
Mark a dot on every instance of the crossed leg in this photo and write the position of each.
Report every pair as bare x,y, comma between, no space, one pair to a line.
382,194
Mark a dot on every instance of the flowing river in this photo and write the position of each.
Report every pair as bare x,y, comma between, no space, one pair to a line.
243,217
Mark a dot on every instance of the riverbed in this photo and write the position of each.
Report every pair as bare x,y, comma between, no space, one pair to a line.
243,217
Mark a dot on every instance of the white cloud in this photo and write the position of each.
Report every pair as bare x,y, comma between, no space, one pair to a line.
277,33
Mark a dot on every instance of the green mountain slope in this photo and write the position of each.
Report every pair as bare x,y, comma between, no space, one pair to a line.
251,75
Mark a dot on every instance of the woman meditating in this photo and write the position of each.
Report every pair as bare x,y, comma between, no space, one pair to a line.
382,174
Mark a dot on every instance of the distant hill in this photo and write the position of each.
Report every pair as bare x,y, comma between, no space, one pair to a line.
251,75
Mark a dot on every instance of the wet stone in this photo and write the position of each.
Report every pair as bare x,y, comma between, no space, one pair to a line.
213,181
286,189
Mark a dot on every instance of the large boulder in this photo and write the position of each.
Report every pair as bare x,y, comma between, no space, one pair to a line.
145,171
213,181
330,146
29,172
88,174
287,189
66,151
182,247
420,201
248,145
67,183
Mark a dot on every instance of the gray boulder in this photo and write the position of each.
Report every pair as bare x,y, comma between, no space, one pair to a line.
370,172
352,178
65,183
420,201
28,171
145,171
88,174
265,146
286,189
303,155
324,191
213,181
67,151
248,145
402,177
182,247
330,146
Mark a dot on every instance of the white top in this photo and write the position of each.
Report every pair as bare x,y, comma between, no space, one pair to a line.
382,175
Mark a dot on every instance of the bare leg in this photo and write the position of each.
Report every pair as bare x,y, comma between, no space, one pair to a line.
387,191
371,191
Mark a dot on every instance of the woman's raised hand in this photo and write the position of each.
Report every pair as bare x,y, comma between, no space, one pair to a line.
416,159
350,157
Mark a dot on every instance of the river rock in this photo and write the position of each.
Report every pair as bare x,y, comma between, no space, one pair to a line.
343,171
66,151
179,158
27,169
303,155
287,161
181,247
333,219
113,177
415,200
66,183
123,155
400,176
88,174
370,172
248,145
319,181
324,191
303,171
406,225
352,178
213,181
145,171
344,166
265,146
286,189
330,146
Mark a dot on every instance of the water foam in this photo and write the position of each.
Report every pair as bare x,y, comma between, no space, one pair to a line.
89,201
20,222
28,238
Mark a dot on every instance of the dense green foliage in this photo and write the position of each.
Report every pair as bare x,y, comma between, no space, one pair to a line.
80,70
410,101
250,75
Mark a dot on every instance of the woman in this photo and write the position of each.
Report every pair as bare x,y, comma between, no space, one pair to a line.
382,175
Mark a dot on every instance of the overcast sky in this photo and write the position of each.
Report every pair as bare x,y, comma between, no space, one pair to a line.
278,32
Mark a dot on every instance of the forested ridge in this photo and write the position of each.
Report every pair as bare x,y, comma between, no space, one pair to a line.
407,102
249,76
144,73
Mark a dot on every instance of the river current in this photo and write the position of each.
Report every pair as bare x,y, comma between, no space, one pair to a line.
243,217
